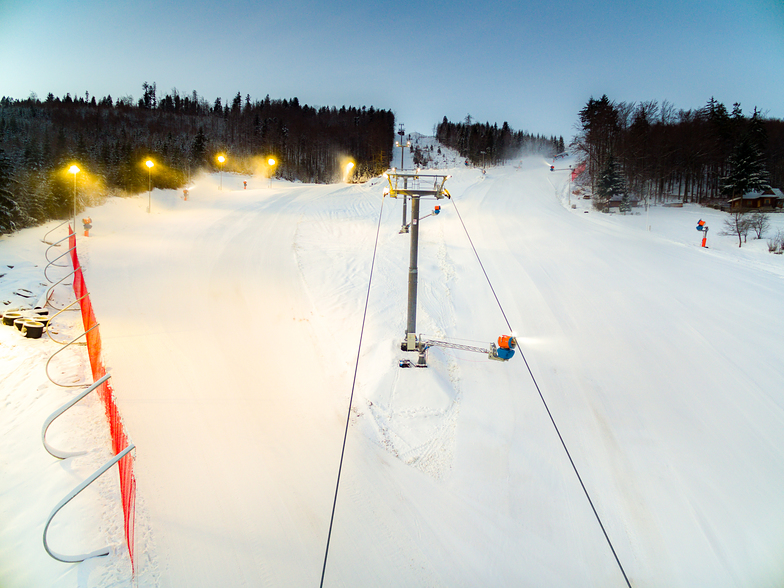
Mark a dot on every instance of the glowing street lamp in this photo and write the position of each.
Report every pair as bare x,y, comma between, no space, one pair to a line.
221,160
74,170
349,167
149,165
271,161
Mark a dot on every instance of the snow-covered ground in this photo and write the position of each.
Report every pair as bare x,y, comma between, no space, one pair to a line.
231,324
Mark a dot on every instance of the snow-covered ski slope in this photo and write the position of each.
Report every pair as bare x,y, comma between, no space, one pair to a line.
231,324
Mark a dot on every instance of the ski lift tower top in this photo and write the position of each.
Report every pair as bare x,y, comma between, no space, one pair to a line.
415,186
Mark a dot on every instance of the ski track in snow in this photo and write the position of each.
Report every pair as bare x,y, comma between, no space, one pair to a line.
231,325
418,435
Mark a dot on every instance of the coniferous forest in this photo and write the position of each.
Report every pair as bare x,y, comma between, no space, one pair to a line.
485,144
652,151
658,153
110,139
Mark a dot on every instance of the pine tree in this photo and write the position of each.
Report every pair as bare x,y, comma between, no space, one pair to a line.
10,212
747,170
610,184
625,205
199,148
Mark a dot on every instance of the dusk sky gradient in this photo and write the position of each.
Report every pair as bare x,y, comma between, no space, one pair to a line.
534,65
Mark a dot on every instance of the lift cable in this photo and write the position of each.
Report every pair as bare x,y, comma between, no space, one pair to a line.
547,408
481,265
351,398
574,467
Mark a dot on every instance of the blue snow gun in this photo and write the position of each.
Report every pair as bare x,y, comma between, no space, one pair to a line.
505,349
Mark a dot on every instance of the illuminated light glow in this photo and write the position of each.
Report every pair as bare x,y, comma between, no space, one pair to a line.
74,170
271,161
221,158
347,174
149,164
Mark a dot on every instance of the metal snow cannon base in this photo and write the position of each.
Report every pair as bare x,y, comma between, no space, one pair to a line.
503,351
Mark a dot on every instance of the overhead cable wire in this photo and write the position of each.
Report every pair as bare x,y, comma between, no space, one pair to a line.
481,265
351,398
574,467
547,408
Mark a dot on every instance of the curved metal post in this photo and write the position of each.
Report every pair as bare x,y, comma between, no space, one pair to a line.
64,253
67,499
46,369
58,313
57,283
55,244
54,229
51,450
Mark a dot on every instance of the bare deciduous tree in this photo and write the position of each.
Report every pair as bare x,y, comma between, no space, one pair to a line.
760,222
737,223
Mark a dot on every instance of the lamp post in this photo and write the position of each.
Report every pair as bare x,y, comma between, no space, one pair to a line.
349,167
221,160
149,165
404,228
271,162
74,170
402,148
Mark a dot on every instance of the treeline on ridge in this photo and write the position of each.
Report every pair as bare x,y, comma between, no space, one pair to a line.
110,140
658,153
484,143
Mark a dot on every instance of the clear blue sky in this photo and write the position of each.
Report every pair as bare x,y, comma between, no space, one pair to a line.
533,64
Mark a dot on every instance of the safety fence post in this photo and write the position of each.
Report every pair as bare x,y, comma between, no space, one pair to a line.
121,444
52,230
51,450
100,471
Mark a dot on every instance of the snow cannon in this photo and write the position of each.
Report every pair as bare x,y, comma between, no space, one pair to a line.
701,225
504,351
437,209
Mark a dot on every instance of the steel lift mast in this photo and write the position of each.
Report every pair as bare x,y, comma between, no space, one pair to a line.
415,185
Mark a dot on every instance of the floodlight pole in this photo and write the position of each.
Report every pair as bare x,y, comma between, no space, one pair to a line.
74,204
401,132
